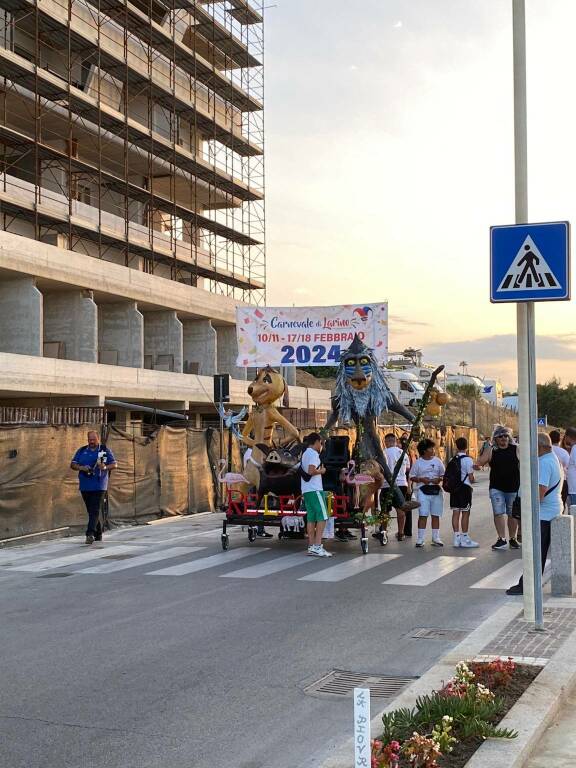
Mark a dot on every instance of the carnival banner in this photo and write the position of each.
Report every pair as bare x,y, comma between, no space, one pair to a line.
308,335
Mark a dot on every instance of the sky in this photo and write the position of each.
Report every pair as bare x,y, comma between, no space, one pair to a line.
389,143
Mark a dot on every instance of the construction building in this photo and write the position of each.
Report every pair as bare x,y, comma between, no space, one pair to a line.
131,197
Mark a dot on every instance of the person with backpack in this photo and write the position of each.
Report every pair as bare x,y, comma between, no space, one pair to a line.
457,481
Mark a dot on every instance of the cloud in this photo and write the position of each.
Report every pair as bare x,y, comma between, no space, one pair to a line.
401,324
502,348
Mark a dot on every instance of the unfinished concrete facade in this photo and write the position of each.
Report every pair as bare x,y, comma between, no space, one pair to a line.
131,145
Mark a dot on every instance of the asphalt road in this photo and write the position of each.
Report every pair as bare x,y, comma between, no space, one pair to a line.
134,656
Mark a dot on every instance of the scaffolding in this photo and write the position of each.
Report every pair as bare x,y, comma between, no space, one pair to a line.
133,131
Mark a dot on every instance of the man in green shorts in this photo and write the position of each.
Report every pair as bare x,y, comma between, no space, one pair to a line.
313,493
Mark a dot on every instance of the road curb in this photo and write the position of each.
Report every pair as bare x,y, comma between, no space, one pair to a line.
530,716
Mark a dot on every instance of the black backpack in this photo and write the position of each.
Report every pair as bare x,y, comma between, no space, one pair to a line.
452,479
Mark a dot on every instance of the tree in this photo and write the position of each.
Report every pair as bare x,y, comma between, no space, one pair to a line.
466,391
415,355
558,403
321,371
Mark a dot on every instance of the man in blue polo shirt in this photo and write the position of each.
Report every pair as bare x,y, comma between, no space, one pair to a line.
93,463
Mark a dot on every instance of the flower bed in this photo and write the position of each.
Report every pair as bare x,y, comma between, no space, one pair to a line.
446,727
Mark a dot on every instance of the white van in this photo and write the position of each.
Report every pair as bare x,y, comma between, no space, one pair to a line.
405,386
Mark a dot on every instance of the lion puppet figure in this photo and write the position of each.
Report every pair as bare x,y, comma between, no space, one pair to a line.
265,390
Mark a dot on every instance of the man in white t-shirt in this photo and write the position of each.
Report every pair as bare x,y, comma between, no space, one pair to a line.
392,454
564,459
570,443
426,474
313,493
461,497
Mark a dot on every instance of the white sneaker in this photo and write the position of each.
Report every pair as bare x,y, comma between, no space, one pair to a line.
457,540
466,541
437,543
384,537
313,549
322,552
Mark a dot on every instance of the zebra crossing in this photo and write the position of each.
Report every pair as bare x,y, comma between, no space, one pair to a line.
251,563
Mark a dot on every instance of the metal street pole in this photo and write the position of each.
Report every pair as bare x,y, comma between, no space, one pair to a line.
525,320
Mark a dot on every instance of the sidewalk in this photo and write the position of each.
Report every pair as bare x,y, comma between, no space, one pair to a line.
557,748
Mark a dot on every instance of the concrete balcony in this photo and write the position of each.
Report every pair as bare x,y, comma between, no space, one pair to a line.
21,197
29,379
34,378
57,269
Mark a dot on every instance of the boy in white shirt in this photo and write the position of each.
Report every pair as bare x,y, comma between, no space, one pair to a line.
426,474
461,497
313,493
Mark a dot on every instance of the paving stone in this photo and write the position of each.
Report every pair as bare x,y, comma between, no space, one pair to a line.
520,639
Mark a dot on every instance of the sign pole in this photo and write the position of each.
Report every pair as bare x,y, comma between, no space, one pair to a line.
526,336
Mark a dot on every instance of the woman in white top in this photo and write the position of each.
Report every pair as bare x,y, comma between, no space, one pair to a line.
426,474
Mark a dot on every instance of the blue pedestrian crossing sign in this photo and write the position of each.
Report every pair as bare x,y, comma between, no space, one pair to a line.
530,262
542,421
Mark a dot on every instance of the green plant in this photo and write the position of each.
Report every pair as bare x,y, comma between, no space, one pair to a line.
399,724
469,713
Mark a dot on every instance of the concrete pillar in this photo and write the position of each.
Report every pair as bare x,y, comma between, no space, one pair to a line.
289,373
562,555
21,317
573,515
71,319
121,334
227,352
163,341
199,347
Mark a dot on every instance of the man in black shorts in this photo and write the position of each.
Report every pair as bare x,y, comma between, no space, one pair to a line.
461,498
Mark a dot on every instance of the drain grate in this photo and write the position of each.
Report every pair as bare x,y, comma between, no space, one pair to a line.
53,575
340,683
435,633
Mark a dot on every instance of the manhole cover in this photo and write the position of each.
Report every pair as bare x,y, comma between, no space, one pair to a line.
434,633
116,557
340,682
54,575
